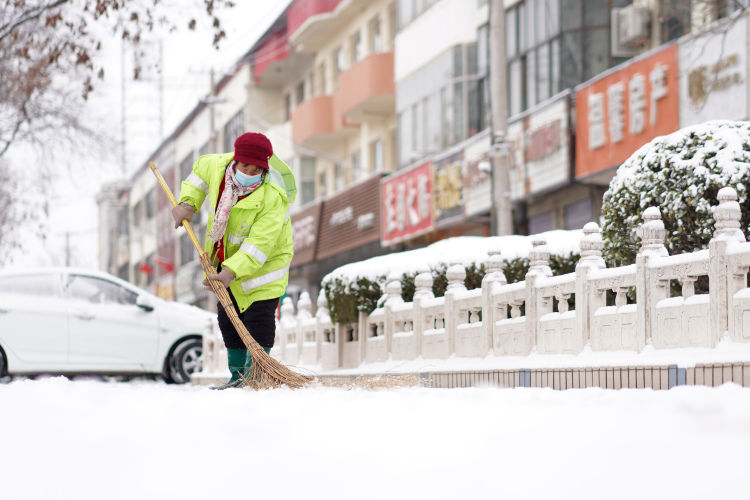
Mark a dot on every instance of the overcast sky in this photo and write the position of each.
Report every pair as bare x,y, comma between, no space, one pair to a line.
188,58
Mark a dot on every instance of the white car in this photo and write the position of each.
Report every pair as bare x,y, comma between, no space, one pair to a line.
74,321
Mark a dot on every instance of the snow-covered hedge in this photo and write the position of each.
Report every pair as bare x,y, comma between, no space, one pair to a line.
360,285
680,173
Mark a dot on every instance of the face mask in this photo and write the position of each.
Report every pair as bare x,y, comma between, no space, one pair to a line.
247,180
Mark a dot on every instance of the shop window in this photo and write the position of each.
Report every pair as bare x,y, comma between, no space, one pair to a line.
578,214
542,222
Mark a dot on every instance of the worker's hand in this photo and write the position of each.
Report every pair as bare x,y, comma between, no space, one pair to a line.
225,276
182,211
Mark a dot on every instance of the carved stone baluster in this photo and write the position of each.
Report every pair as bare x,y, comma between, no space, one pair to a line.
648,288
724,282
688,286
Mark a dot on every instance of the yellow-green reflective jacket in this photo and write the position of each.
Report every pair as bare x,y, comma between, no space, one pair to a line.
258,239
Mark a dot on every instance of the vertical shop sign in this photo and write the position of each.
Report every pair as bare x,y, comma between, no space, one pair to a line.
407,205
619,113
448,187
546,146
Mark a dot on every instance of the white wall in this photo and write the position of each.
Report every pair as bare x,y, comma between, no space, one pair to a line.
426,37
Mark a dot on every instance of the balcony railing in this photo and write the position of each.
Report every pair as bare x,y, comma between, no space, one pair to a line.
313,118
368,87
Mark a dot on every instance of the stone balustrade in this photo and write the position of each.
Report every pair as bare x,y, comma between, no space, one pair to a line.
545,314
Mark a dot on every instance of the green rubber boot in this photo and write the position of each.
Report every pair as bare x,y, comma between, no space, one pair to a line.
249,361
236,359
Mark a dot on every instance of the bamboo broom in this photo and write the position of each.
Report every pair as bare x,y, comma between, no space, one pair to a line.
266,371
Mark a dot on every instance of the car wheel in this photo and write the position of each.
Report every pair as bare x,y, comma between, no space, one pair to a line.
187,359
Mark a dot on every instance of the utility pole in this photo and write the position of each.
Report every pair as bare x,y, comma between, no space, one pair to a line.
500,213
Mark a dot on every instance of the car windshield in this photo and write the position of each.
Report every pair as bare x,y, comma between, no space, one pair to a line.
30,284
99,291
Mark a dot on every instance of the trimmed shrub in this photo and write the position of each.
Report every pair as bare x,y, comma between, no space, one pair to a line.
680,173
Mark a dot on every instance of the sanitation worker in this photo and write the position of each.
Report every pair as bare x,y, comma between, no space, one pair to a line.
249,237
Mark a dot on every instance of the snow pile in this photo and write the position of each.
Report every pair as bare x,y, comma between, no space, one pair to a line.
87,440
461,249
680,173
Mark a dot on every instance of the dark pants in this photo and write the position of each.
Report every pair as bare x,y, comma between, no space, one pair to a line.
259,319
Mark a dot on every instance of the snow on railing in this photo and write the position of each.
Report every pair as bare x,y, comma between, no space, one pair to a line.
534,315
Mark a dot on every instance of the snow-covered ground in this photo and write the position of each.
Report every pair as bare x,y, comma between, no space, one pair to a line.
84,439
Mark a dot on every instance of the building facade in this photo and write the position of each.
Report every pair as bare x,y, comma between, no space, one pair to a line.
384,116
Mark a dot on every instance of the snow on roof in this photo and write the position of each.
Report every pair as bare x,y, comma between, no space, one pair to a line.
461,249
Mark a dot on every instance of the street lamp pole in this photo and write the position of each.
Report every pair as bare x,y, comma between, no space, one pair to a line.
500,213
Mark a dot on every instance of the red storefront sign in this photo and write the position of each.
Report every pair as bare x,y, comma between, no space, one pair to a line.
407,206
621,112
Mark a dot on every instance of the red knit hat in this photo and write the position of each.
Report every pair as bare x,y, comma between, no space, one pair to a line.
253,149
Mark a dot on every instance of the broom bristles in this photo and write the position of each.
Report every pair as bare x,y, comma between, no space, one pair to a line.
266,371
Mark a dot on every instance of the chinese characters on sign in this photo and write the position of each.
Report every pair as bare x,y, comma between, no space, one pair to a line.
713,72
407,205
622,111
448,187
616,107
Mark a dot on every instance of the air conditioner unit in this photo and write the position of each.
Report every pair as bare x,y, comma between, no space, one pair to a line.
629,28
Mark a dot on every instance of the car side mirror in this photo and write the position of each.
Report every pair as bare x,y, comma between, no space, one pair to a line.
145,303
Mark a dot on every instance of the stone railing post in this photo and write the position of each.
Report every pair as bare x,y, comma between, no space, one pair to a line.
591,258
304,312
538,268
722,283
362,334
393,296
647,293
288,322
494,276
456,275
422,291
322,315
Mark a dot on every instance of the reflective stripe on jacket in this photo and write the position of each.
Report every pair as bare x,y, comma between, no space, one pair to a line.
258,240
